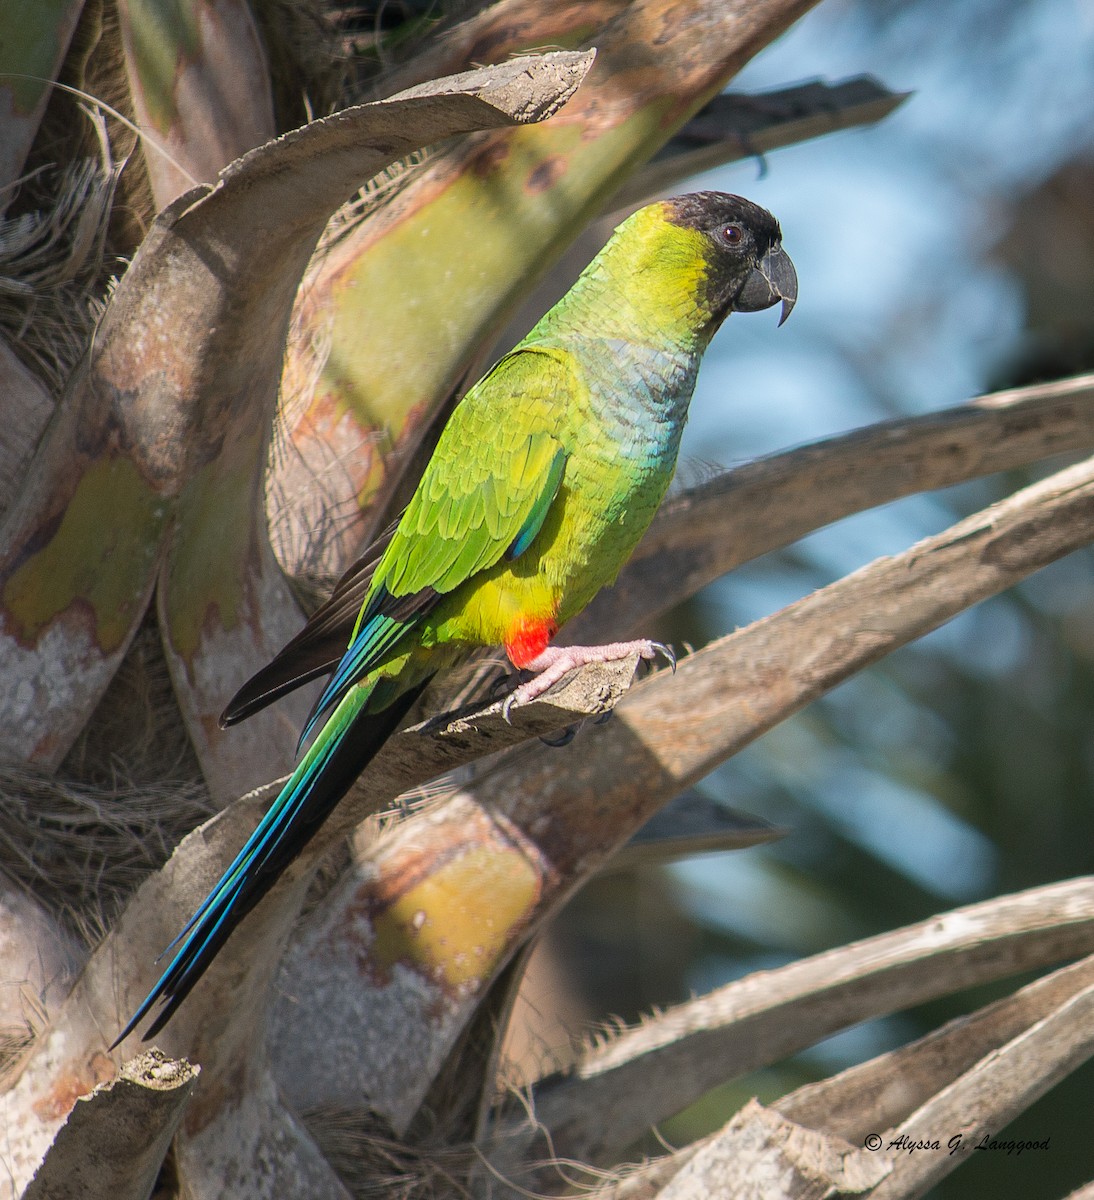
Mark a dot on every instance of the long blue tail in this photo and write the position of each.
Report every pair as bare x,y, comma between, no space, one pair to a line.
348,741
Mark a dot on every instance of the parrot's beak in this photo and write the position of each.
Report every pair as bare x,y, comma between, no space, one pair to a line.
773,279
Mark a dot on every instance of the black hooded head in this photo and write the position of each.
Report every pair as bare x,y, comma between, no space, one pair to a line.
747,268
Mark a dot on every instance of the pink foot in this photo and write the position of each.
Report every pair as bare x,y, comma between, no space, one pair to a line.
556,661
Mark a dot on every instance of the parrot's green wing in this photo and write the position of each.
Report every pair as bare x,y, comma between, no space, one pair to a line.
485,494
466,515
489,485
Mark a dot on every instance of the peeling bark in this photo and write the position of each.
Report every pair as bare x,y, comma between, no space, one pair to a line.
113,1141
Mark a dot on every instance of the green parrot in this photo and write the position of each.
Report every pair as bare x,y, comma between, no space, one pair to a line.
545,478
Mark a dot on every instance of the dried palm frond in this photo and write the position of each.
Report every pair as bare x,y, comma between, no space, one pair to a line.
53,262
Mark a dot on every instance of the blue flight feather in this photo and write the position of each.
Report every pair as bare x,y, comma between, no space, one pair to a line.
534,521
199,938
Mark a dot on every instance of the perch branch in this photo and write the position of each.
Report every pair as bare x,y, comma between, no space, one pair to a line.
538,826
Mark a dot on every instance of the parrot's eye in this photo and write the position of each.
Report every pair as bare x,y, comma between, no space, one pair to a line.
732,235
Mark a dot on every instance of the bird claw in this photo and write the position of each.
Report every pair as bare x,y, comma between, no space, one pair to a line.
666,652
550,675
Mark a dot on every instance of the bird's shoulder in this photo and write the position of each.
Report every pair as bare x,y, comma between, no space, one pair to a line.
494,474
534,386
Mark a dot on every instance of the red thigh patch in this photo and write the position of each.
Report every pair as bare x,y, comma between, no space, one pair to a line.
528,639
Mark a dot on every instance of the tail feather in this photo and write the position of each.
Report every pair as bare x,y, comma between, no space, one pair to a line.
378,635
348,742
